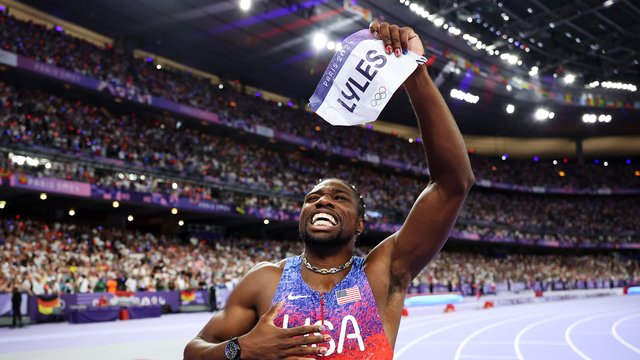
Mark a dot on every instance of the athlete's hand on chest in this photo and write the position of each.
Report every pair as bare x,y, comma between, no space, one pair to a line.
267,341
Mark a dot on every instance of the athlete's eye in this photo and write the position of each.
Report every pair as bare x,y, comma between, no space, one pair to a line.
340,197
311,198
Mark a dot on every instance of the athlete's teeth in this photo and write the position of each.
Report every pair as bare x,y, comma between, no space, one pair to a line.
323,223
323,215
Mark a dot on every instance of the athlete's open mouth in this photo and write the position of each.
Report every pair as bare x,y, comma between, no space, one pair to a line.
323,219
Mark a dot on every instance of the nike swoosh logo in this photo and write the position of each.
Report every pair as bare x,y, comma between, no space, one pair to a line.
296,297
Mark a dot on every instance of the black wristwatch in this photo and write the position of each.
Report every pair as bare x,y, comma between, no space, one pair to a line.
232,350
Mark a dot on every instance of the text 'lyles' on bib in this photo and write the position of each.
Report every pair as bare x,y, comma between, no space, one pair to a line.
360,80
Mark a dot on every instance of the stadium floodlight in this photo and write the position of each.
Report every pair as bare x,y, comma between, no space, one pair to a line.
130,218
461,95
533,71
319,40
618,86
510,108
438,22
43,196
245,5
593,118
541,114
331,45
510,58
569,79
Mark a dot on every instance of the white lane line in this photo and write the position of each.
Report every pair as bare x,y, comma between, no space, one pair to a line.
518,341
614,331
481,330
431,333
567,333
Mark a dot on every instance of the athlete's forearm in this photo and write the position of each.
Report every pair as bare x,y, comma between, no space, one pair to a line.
446,152
200,349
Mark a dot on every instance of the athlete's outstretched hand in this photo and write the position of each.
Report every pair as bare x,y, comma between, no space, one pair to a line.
267,341
397,39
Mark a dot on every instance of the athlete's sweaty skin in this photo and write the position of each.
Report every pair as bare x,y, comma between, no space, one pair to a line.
390,266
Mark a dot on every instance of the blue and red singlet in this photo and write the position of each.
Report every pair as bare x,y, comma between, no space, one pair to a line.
349,312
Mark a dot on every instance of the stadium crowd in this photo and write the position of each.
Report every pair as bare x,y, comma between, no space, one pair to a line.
178,160
140,76
74,258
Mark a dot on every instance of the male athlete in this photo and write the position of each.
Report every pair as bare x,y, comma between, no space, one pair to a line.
326,302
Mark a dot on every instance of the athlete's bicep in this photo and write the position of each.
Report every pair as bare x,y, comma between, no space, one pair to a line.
236,319
241,312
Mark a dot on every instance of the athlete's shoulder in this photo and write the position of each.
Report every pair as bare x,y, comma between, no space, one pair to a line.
265,270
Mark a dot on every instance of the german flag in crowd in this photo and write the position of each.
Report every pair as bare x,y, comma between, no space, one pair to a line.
187,296
48,304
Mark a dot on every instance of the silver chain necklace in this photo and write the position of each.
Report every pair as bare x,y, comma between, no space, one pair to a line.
323,271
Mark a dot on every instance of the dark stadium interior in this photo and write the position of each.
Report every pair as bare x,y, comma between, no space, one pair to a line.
266,46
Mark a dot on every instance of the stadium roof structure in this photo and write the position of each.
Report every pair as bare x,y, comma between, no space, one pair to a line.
528,53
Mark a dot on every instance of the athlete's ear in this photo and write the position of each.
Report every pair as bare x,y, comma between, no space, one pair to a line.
360,227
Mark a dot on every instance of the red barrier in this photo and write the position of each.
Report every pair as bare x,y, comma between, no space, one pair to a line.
124,314
488,305
449,308
405,311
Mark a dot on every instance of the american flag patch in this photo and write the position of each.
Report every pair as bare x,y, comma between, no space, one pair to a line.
349,295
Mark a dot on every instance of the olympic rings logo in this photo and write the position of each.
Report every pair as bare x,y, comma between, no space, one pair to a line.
379,96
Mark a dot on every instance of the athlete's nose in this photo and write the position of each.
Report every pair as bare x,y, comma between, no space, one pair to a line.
324,200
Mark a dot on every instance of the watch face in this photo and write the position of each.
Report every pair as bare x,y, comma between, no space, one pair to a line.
231,350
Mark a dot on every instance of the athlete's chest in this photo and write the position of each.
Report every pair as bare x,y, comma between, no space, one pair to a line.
349,313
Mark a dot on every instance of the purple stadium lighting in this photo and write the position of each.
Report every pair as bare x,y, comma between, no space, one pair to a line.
258,94
2,8
628,161
59,28
536,159
149,59
290,104
596,161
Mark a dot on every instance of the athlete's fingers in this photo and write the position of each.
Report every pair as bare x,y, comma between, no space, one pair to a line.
394,31
308,350
303,330
308,340
385,35
270,315
374,27
404,37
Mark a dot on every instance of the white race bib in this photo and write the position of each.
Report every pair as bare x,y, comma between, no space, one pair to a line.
360,80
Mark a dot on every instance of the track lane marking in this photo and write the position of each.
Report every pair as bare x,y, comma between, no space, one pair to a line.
614,331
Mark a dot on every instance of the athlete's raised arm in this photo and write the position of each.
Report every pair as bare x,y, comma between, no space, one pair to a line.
434,213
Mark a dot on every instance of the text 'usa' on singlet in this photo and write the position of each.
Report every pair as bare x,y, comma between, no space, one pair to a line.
349,312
